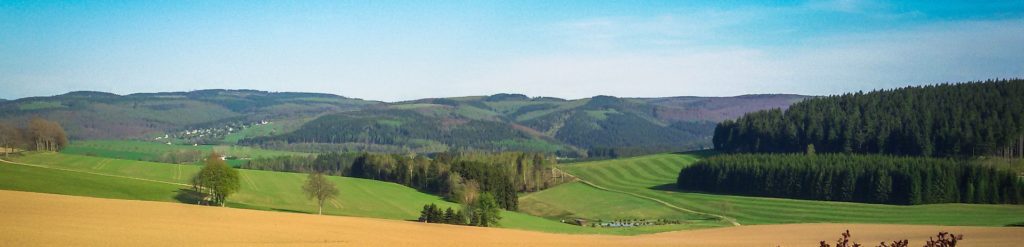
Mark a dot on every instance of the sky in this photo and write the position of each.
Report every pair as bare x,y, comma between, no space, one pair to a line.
403,50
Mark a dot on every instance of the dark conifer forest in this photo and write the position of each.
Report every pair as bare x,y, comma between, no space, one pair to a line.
947,120
854,178
913,145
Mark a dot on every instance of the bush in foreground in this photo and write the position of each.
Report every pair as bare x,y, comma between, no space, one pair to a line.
943,239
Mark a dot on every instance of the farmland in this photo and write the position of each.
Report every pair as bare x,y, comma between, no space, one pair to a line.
263,190
34,219
653,177
151,151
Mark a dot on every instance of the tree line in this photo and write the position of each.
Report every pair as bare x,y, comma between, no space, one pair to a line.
459,177
854,178
947,120
37,134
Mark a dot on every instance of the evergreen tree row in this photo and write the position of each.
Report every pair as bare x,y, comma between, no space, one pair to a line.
854,178
948,120
431,213
483,212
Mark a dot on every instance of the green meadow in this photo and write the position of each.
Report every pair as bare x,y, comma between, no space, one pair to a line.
80,175
654,176
148,151
631,188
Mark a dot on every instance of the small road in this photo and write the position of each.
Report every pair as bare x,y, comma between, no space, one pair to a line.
681,209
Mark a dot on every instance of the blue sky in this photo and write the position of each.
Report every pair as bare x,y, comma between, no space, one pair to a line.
400,50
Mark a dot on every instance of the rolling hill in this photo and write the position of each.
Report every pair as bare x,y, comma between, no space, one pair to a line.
653,177
98,115
43,219
599,126
80,175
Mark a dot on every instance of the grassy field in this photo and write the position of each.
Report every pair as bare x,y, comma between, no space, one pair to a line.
148,151
35,179
260,189
34,219
654,177
264,190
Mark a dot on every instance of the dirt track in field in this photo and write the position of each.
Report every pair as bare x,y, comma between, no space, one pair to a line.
33,219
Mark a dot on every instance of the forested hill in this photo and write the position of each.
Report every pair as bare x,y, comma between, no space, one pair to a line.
598,126
99,115
964,119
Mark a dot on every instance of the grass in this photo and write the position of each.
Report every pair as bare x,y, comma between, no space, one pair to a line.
277,127
34,179
473,112
40,105
263,190
654,176
143,150
577,200
601,114
572,200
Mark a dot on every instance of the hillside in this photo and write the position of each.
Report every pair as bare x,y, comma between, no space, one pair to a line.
598,126
42,219
98,115
653,178
262,190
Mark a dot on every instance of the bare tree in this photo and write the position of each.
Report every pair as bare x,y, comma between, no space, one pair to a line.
318,187
9,137
470,192
46,135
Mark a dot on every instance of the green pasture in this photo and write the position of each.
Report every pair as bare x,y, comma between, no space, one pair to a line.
654,176
263,190
144,150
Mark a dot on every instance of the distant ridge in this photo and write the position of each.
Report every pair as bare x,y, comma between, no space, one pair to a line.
597,126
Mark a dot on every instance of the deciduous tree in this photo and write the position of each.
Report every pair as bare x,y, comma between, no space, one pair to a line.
317,187
217,180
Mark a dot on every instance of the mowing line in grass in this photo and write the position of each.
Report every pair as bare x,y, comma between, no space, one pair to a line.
93,173
730,220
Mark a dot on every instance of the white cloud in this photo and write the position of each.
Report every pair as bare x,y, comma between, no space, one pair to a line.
940,52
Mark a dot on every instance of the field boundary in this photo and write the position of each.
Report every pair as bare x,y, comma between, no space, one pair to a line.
681,209
93,173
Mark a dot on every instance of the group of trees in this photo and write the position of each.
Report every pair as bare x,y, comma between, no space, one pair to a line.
948,120
431,213
483,211
854,178
37,134
216,180
328,163
457,176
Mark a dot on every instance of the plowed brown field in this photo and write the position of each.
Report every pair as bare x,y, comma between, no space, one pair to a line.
33,219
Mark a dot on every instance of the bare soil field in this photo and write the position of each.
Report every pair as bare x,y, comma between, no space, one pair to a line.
34,219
